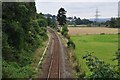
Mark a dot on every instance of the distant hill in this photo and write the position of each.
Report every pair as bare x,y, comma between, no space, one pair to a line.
100,19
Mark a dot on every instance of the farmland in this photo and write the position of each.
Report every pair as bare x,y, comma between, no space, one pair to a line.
91,30
102,46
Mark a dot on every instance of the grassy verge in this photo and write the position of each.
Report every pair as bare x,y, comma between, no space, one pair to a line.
37,56
102,46
73,62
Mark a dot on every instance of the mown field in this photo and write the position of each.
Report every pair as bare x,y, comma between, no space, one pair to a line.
102,46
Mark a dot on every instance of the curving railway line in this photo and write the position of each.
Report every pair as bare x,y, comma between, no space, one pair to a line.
52,65
55,64
54,68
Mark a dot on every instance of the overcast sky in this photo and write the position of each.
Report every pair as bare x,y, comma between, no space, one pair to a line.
78,8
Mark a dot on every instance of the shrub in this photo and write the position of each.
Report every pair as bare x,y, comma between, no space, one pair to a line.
42,22
13,70
64,31
67,36
99,68
117,57
70,43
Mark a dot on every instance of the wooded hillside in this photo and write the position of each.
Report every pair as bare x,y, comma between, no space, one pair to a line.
21,35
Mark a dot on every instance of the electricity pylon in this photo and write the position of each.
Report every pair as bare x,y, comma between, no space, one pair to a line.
97,15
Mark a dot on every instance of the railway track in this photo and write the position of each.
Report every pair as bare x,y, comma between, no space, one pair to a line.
54,66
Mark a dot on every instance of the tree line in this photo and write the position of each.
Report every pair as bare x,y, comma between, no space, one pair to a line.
113,23
78,21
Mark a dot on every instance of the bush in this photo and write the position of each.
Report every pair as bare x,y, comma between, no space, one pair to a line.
70,43
99,68
13,70
42,22
67,36
64,31
117,57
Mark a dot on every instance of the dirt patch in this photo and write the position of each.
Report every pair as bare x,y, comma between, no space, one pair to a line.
91,30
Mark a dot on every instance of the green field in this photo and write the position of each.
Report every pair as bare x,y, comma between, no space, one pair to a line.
102,46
